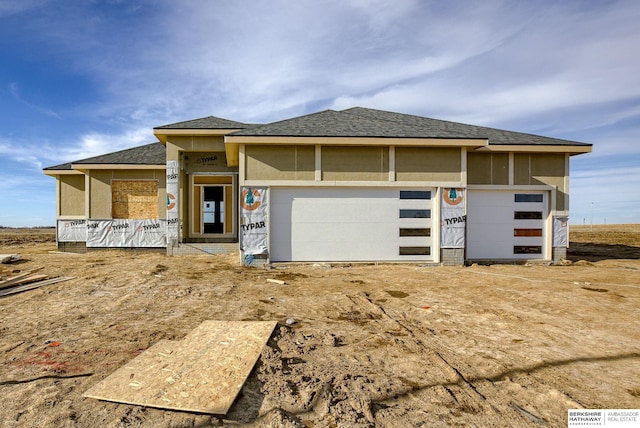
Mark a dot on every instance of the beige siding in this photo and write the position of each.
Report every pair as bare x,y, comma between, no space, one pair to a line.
100,196
479,168
499,168
488,168
347,163
206,162
279,162
176,144
71,195
428,164
521,169
542,168
550,169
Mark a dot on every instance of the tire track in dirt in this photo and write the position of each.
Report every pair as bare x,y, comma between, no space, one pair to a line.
470,391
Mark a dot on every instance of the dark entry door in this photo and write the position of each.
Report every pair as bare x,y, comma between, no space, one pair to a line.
213,209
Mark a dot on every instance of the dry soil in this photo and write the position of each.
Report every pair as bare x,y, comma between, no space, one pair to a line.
373,344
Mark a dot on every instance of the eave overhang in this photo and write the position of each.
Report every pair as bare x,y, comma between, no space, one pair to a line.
88,166
533,148
55,172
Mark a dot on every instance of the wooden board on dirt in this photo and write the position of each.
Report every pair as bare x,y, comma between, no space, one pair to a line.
202,373
6,291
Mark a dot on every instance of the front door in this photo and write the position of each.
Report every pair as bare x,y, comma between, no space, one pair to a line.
213,209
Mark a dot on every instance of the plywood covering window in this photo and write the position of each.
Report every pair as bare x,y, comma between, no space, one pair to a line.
134,199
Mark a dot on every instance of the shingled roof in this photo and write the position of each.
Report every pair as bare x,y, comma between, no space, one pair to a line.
362,122
209,122
149,154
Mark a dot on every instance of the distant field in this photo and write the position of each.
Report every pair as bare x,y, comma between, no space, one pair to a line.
627,235
22,236
618,234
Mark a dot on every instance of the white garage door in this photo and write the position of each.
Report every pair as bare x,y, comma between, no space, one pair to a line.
351,224
507,225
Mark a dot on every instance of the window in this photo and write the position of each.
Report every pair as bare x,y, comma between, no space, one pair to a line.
134,199
415,251
408,213
415,194
527,232
528,197
415,232
527,215
527,249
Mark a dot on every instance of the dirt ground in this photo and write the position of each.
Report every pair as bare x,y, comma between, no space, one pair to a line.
374,344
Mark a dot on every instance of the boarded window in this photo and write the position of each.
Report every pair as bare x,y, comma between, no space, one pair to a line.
136,199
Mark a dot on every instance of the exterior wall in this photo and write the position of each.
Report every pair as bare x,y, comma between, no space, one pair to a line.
428,164
542,168
72,195
176,144
349,163
280,162
210,161
100,189
488,168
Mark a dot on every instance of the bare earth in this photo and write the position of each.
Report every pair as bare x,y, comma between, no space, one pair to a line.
374,345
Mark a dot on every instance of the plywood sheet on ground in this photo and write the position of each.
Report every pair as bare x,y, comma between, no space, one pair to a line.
202,373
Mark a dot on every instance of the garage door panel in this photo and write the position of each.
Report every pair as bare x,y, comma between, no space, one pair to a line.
490,215
314,210
345,224
344,232
494,232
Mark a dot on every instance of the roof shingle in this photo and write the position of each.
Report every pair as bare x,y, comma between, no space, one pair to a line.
209,122
362,122
149,154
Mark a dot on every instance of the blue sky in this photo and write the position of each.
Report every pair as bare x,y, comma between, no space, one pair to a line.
86,77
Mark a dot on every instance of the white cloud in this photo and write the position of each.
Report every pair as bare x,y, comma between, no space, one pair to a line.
11,7
41,153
